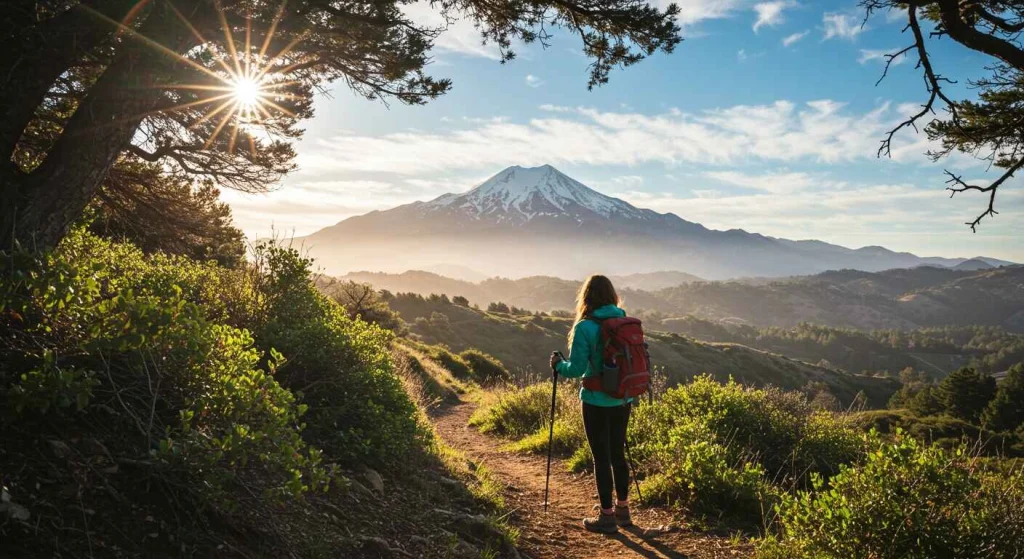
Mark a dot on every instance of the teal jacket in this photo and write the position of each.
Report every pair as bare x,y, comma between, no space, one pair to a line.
584,354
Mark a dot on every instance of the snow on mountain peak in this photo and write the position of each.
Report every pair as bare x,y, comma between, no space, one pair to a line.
525,192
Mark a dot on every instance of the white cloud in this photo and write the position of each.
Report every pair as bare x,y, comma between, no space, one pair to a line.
867,55
899,215
459,36
819,131
533,81
741,55
770,13
842,26
776,183
692,12
791,40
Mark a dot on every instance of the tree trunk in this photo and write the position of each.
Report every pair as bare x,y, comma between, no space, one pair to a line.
41,206
46,50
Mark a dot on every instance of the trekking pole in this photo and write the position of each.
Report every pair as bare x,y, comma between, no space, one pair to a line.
551,431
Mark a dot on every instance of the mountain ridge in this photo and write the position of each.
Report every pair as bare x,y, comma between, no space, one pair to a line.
539,221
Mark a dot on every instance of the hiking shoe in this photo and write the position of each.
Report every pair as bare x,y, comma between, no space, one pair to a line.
603,523
622,517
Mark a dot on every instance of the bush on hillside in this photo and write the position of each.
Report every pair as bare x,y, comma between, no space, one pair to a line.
714,448
359,411
485,367
905,501
362,301
516,413
942,430
99,337
448,359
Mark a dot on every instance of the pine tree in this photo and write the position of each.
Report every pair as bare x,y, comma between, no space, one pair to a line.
925,402
965,393
1006,411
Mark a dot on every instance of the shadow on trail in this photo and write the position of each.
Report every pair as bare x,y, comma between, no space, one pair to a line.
646,545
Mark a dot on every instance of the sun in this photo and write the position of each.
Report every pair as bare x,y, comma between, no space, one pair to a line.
247,92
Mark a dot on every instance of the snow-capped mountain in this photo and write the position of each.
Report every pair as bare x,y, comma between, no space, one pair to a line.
539,221
519,194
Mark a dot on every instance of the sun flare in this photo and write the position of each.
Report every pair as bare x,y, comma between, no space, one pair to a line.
247,92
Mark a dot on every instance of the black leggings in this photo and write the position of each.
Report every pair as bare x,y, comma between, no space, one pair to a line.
606,433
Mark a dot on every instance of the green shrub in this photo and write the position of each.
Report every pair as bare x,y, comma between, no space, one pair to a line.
486,368
695,470
767,425
906,501
713,449
451,361
359,411
516,413
97,326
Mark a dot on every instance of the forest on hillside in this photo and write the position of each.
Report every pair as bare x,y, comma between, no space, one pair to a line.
902,299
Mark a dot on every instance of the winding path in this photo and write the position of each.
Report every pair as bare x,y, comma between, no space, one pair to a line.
559,532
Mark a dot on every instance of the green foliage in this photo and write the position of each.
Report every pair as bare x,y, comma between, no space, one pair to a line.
100,323
361,301
942,430
516,413
359,411
486,368
712,447
156,211
904,500
1006,411
449,360
965,393
926,402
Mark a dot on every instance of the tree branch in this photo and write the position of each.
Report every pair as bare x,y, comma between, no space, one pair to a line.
960,186
932,82
967,35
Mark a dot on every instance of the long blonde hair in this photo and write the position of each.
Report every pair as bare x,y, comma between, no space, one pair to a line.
596,292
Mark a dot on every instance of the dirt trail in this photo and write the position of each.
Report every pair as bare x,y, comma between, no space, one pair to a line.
559,532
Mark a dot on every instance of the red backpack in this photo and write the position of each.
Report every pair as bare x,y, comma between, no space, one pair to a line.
625,361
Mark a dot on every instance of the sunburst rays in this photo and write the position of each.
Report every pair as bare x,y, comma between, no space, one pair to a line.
239,89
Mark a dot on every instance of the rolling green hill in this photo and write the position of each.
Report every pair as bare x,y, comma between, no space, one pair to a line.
523,343
895,299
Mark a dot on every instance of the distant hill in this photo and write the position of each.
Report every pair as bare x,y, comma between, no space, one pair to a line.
525,341
653,281
538,221
974,264
900,298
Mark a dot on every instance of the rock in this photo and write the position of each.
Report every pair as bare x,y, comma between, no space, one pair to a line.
418,540
449,481
60,449
376,482
361,490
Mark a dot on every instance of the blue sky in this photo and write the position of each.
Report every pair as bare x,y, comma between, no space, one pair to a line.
766,118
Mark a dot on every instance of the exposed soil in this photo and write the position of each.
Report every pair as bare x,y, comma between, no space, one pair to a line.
559,533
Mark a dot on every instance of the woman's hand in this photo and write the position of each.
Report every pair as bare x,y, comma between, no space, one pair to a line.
555,359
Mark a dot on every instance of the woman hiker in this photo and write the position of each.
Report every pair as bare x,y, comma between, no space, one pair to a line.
605,418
